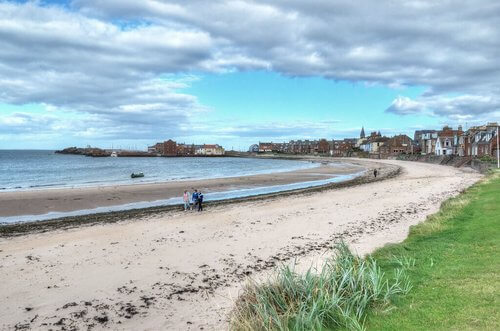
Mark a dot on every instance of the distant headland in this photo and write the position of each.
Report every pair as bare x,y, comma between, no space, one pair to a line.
167,148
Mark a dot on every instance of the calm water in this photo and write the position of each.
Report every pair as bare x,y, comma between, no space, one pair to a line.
20,170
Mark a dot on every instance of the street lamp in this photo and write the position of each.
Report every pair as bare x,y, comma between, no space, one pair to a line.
498,151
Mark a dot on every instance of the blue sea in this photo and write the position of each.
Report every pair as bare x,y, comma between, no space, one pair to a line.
41,169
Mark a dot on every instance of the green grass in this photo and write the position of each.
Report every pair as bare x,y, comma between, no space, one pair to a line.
451,261
338,296
456,276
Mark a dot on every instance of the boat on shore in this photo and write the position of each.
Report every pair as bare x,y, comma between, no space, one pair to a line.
137,175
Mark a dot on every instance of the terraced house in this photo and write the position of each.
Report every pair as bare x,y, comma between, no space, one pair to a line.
400,144
426,140
447,142
479,141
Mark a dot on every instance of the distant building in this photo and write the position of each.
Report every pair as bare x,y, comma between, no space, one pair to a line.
323,146
400,144
253,148
427,141
351,141
265,147
342,148
279,147
156,148
372,143
170,148
376,142
479,141
447,142
419,134
186,150
362,138
210,150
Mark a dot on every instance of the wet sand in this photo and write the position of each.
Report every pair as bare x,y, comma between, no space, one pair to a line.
182,271
37,202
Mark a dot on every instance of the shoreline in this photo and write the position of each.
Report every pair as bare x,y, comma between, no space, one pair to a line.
38,202
47,200
177,201
23,228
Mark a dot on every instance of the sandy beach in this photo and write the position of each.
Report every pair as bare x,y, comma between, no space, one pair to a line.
43,201
183,271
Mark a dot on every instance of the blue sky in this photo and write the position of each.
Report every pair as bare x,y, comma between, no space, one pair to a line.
127,73
261,97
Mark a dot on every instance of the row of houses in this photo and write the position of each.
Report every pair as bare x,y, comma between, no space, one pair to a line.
171,148
375,145
382,147
477,141
321,146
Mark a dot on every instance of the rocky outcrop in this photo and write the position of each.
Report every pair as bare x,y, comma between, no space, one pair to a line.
95,152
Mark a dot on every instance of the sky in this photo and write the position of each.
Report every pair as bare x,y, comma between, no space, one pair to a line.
128,73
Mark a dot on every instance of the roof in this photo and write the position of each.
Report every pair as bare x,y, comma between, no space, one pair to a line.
380,139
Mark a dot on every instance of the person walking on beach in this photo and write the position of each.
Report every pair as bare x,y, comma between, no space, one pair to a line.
195,198
185,198
375,172
200,201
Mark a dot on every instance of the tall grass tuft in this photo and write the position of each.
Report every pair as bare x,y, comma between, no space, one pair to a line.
337,296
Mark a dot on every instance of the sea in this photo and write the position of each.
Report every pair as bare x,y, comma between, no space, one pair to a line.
42,169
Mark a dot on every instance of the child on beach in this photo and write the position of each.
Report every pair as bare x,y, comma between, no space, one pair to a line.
185,198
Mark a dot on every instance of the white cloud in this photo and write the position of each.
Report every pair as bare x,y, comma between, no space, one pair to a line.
107,59
460,107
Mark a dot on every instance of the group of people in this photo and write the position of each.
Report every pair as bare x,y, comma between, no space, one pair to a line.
191,201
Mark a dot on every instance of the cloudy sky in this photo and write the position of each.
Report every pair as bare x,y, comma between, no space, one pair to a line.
128,73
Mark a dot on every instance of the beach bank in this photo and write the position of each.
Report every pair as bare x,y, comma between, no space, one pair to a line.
183,271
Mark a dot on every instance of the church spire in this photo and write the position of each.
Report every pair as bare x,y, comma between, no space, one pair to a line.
362,134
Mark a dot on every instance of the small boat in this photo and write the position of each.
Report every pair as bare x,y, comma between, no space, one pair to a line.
137,174
114,154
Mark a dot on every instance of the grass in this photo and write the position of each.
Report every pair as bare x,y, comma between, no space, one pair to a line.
455,276
450,262
339,295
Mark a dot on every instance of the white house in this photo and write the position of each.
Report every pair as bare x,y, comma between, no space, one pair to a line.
209,150
448,141
444,146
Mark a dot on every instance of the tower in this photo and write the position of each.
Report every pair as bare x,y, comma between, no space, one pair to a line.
362,134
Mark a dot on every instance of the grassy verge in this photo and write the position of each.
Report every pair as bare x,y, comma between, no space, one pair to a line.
451,261
456,272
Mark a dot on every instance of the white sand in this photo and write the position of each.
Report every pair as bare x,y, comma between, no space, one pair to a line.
182,270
